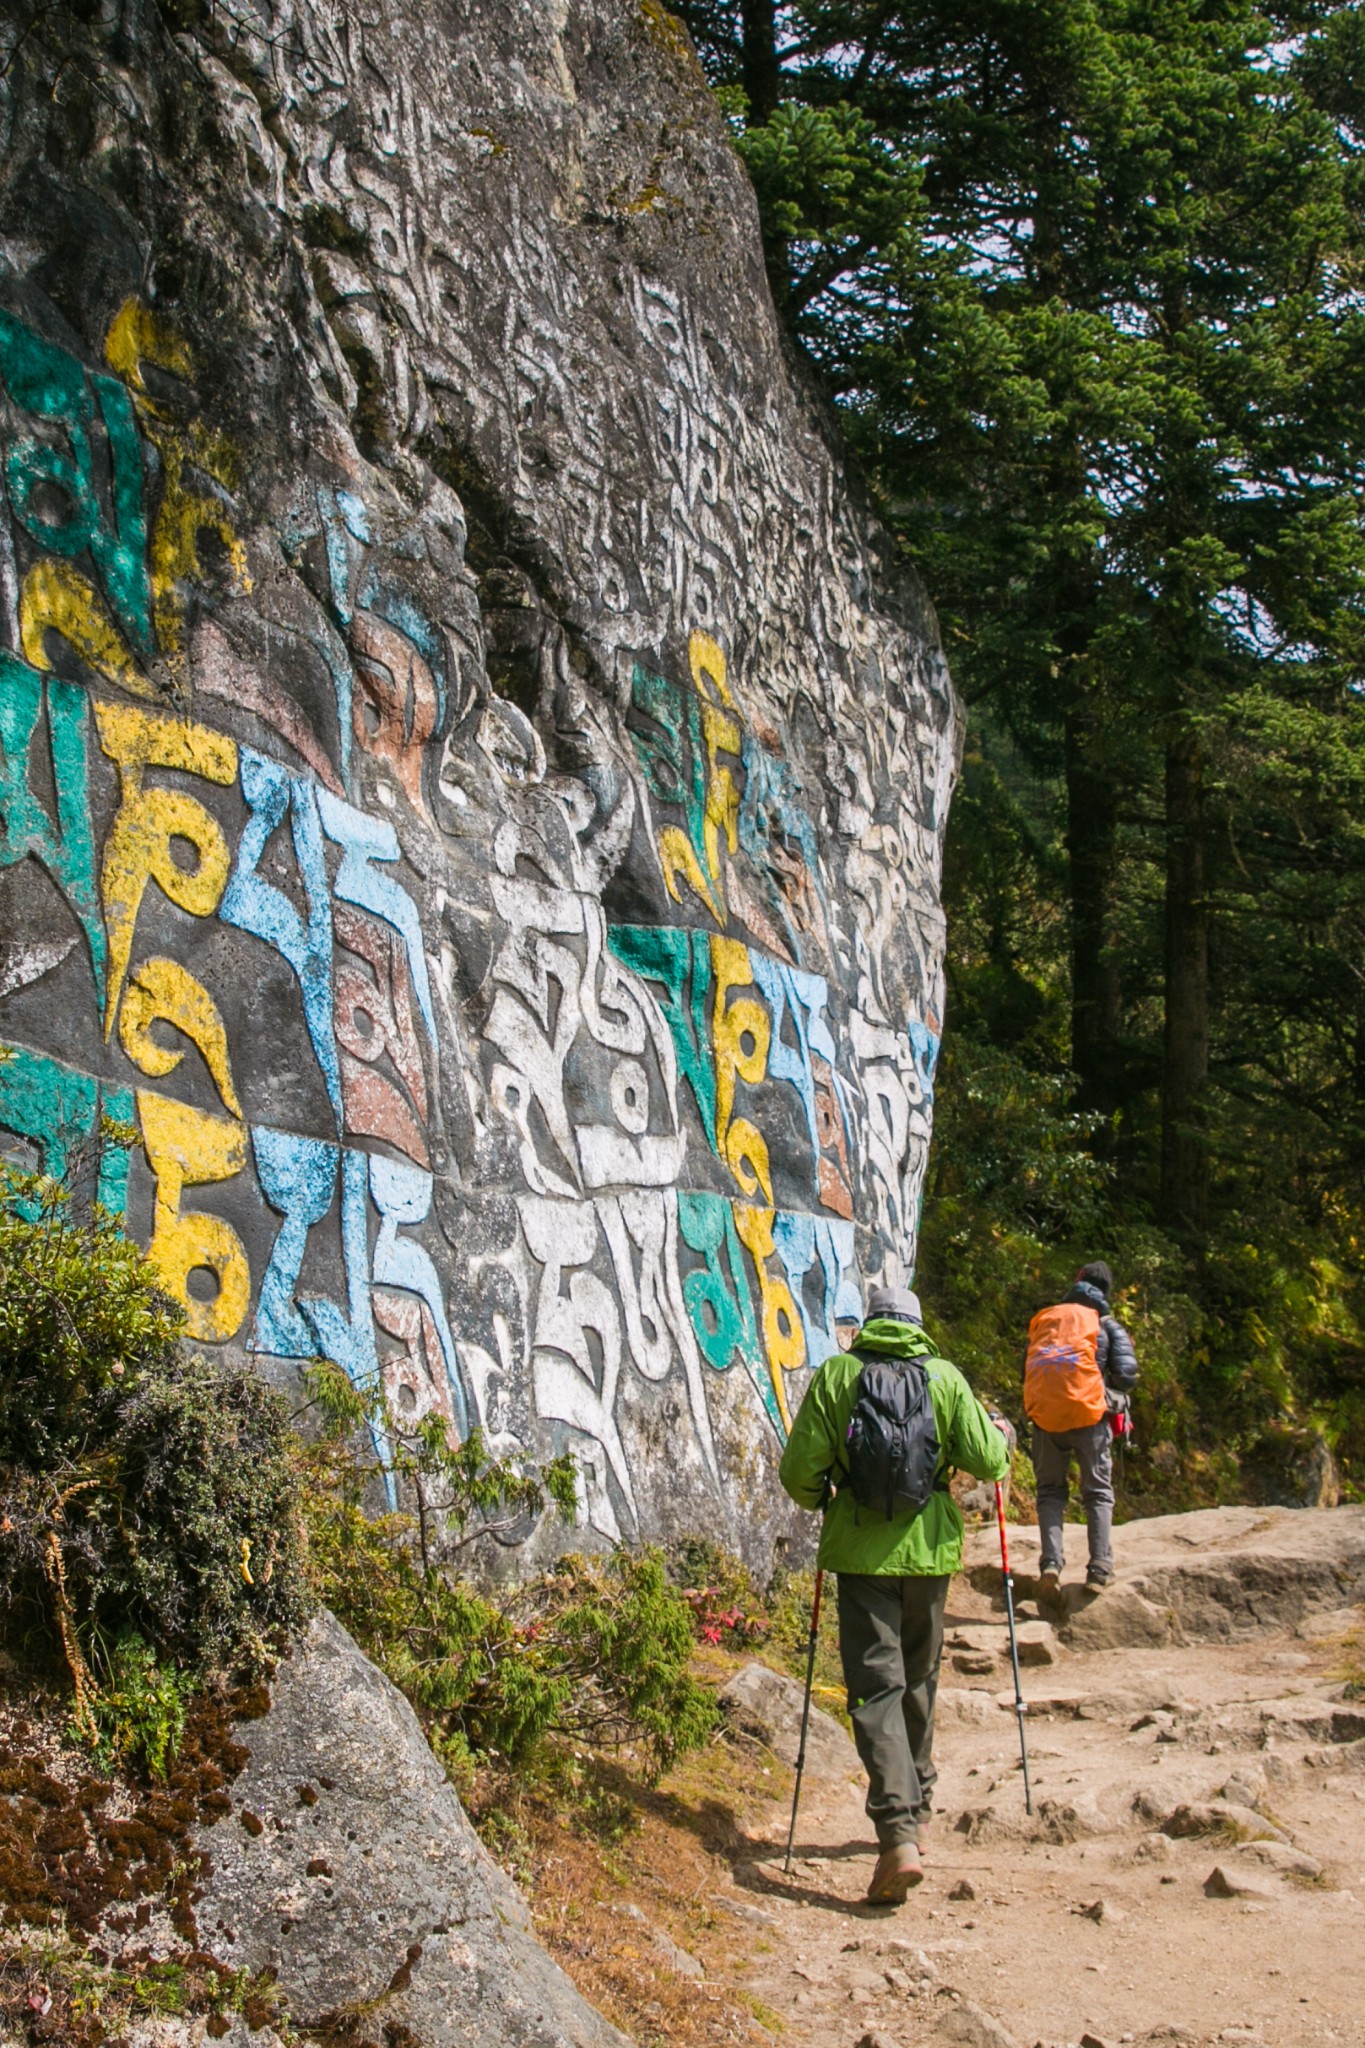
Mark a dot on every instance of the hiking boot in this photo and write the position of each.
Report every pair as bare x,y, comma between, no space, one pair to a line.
1049,1583
1097,1578
898,1870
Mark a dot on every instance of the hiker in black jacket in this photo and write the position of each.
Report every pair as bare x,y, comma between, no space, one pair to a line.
1079,1370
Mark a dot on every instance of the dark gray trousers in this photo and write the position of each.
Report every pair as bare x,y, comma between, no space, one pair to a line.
1092,1449
890,1640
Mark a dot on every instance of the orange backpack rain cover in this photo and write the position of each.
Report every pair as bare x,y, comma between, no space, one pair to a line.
1063,1384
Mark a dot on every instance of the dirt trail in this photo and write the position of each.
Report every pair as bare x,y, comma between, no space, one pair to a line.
1089,1920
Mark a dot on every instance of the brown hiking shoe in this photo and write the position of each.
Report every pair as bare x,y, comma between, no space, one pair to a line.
1049,1584
898,1871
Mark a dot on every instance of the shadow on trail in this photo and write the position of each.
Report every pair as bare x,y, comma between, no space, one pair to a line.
824,1853
764,1878
792,1892
752,1860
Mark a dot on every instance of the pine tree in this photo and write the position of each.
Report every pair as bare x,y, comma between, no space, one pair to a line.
1084,276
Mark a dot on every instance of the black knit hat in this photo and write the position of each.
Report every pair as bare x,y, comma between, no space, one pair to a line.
1098,1275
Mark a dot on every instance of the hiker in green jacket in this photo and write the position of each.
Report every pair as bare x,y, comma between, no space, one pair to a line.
893,1573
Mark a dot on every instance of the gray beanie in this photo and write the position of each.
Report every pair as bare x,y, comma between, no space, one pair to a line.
898,1304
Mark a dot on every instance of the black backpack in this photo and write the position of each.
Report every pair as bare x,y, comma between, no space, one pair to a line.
892,1450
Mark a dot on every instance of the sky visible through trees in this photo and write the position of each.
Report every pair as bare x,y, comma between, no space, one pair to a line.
1087,281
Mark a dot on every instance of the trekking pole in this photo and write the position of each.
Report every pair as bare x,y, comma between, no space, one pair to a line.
805,1715
1014,1640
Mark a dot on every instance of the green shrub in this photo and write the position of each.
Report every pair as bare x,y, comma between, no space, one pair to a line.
149,1518
592,1649
139,1712
79,1315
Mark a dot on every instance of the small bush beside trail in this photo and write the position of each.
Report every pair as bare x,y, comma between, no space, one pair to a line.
150,1534
592,1650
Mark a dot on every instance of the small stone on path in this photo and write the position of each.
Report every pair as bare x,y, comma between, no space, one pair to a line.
1118,1620
865,1981
740,1910
1221,1816
973,1639
1153,1849
1236,1884
963,1889
1038,1644
1246,1786
1068,1820
675,1957
1279,1856
968,2025
988,1824
970,1708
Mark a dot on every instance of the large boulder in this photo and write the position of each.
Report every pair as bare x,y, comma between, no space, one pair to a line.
1209,1575
768,1705
473,781
1121,1618
349,1870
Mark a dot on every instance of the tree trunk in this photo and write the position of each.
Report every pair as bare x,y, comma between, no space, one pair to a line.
1184,1138
761,72
1092,860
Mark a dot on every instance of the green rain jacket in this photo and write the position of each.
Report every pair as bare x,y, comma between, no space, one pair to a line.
857,1539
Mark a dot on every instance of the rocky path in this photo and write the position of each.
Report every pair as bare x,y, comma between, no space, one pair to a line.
1194,1866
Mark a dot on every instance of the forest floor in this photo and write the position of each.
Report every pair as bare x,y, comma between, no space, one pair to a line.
1094,1921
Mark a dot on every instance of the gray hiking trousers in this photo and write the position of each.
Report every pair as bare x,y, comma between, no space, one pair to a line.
1092,1449
890,1641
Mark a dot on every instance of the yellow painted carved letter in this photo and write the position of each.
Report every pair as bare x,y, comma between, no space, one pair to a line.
723,734
186,1148
57,598
736,1021
164,992
783,1337
139,846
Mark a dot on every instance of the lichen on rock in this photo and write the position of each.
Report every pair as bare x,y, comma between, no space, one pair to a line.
362,1888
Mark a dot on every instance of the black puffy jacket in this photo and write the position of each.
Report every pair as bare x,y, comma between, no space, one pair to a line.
1114,1353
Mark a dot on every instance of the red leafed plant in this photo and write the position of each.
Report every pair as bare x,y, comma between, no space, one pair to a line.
714,1622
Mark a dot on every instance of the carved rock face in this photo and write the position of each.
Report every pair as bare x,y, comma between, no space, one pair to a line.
471,794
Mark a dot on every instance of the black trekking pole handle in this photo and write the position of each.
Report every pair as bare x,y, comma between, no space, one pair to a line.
805,1715
1014,1640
